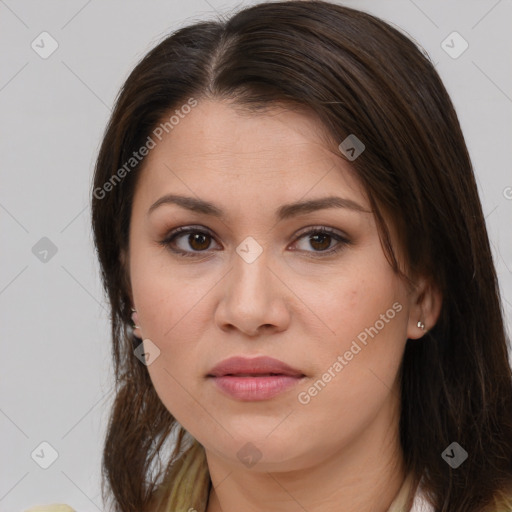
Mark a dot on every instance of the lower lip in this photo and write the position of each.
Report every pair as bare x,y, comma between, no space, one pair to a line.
255,388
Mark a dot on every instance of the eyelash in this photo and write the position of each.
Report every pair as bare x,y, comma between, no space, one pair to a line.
168,241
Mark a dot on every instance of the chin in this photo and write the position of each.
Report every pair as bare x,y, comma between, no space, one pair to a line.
262,452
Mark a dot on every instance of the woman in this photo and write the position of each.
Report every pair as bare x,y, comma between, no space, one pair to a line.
284,207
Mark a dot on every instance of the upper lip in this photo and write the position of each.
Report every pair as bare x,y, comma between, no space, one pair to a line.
255,366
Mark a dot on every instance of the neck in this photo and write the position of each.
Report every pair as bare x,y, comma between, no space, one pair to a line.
364,476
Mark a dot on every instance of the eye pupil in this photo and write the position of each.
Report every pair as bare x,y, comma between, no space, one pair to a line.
194,237
321,236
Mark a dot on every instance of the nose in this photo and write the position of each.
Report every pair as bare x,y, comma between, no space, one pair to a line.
254,299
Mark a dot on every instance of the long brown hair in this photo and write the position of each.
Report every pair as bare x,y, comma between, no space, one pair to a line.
360,76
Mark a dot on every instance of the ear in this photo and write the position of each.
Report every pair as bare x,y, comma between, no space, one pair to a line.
424,307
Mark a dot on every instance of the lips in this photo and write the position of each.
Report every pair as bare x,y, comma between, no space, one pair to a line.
251,380
255,367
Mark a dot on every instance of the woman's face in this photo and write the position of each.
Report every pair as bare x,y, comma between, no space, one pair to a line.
258,279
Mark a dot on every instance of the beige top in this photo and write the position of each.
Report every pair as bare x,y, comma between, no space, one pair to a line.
419,501
399,504
55,507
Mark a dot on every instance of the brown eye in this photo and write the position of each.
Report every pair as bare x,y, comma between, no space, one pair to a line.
320,240
199,241
196,242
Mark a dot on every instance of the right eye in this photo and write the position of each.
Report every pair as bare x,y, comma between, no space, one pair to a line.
197,239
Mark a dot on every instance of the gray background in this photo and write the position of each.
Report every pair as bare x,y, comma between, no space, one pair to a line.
55,369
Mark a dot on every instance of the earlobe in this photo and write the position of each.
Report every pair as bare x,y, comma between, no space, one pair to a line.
135,326
425,308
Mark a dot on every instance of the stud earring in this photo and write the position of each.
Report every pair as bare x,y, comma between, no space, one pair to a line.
421,325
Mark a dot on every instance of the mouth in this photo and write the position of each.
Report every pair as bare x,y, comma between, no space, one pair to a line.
256,379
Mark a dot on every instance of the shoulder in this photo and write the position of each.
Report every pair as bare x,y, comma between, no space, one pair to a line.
54,507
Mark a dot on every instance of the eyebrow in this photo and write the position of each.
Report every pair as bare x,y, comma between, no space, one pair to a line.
282,213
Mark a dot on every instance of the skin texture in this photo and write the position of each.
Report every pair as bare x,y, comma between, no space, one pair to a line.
340,451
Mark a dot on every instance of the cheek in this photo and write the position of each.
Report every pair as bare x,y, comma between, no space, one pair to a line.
356,363
173,312
358,303
355,383
175,323
165,295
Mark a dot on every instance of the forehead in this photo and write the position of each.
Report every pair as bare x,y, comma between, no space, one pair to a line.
217,151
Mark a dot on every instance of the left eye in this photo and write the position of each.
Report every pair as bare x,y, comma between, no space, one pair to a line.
319,238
